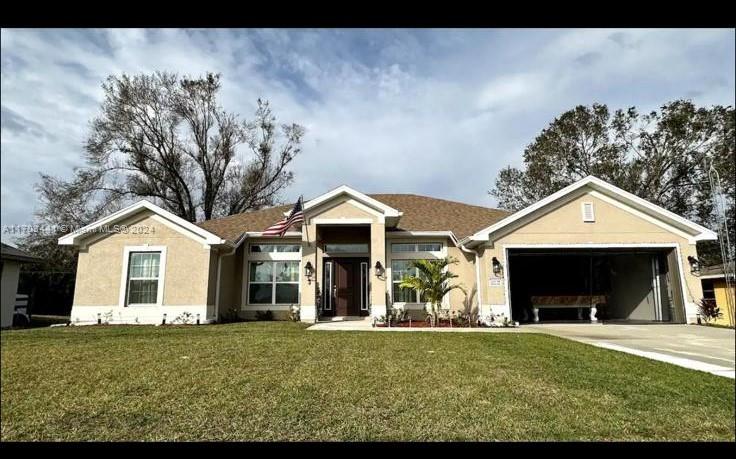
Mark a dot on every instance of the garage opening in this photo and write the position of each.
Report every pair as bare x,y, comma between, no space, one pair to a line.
634,285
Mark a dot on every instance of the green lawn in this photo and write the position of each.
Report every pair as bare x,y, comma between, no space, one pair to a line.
276,381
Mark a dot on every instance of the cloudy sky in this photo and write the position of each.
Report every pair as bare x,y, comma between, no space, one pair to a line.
434,112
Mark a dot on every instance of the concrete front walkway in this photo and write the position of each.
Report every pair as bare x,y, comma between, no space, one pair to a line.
346,324
697,347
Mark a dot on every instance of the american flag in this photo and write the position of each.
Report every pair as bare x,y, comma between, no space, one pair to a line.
279,228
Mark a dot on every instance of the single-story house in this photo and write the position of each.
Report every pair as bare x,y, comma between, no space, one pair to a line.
715,288
10,260
589,251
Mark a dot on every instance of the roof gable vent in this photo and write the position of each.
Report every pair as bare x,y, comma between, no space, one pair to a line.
588,212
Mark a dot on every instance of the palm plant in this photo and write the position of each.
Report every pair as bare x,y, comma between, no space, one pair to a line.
432,282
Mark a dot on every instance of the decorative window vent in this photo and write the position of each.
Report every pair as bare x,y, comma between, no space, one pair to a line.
588,213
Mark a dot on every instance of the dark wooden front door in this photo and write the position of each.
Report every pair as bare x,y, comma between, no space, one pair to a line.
346,289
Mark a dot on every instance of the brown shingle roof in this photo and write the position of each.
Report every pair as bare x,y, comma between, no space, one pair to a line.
232,226
420,213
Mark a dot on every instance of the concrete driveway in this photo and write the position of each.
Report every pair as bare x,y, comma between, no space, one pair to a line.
701,348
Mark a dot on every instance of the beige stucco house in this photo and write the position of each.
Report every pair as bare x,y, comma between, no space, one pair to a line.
588,252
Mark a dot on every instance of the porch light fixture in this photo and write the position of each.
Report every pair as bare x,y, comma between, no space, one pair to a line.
379,269
309,271
497,268
694,264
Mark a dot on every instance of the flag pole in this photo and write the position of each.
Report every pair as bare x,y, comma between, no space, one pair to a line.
304,223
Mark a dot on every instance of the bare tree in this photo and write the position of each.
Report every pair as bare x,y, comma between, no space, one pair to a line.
167,138
163,138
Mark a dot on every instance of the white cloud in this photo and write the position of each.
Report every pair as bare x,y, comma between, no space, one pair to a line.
518,90
434,112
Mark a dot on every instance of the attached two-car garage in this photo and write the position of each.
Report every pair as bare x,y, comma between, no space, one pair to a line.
636,284
591,248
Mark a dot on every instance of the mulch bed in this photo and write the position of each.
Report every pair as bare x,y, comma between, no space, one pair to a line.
422,324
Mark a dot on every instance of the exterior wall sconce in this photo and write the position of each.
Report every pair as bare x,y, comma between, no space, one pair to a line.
694,264
309,271
497,268
379,269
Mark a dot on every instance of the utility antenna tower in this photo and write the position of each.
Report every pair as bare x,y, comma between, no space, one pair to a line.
724,239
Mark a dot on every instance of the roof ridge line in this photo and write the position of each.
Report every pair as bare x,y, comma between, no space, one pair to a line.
441,199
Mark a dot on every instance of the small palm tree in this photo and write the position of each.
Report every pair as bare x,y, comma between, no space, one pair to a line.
432,282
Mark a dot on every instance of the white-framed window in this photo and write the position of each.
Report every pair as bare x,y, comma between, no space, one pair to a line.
404,247
142,279
143,271
347,248
402,254
364,296
327,290
273,282
271,273
400,269
275,248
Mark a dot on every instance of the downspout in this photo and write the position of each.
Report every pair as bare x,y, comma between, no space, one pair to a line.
219,271
477,280
479,293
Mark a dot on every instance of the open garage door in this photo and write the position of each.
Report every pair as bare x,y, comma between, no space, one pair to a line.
634,285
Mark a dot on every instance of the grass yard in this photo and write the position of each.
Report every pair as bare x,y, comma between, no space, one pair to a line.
276,381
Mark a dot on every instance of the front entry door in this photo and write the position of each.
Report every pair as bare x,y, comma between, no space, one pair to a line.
346,287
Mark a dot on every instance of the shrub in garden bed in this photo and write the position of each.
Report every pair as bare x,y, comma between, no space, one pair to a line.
449,320
452,320
264,315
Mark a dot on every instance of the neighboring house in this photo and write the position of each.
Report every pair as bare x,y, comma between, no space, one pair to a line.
589,244
713,280
10,260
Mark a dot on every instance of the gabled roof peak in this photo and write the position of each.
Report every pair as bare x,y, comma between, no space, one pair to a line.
699,232
191,229
386,210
